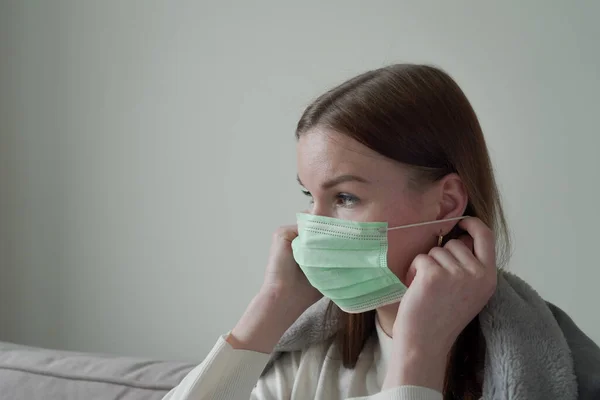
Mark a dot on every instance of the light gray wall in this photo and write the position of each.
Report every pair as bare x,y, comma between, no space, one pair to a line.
147,151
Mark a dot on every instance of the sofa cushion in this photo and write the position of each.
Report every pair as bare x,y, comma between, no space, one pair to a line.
33,373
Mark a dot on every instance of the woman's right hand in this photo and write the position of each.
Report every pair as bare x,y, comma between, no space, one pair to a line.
283,277
284,295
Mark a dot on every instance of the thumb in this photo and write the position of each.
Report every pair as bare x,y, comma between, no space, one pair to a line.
410,275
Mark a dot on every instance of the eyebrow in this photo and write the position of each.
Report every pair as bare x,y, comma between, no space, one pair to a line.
338,180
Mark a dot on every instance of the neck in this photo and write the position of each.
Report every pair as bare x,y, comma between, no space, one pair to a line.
386,316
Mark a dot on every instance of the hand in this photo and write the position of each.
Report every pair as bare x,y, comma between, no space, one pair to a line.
283,297
447,289
283,276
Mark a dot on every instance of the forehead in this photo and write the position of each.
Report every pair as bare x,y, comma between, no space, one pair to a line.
324,154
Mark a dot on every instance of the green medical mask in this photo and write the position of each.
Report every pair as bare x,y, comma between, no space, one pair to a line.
347,261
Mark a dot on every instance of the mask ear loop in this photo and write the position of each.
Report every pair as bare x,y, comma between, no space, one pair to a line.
427,223
441,236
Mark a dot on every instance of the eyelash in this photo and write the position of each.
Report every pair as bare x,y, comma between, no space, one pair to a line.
347,200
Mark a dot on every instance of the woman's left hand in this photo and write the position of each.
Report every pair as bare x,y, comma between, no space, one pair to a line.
447,289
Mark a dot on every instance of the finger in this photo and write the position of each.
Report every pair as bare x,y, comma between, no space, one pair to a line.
420,265
445,259
287,233
468,241
464,255
483,240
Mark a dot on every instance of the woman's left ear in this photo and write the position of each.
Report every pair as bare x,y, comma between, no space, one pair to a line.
453,198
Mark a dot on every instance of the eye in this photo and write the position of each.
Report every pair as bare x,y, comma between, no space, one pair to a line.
346,200
309,195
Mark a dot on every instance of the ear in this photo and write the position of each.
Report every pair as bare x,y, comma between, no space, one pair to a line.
453,197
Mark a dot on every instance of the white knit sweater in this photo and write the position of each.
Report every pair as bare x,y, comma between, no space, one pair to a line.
315,373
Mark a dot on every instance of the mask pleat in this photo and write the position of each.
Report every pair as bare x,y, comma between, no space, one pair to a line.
311,257
346,261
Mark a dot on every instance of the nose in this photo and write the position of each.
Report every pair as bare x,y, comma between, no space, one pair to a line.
319,210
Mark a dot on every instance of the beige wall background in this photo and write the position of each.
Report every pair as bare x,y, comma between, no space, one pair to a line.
147,150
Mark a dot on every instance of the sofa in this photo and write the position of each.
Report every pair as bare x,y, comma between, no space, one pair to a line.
29,373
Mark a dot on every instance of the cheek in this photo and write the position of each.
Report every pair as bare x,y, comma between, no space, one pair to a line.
404,246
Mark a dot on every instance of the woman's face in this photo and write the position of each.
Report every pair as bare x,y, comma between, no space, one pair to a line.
346,180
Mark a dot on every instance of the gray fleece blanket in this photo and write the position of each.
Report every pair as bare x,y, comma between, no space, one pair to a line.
534,350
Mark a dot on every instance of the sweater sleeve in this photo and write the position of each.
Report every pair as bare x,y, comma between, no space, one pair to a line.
404,393
232,374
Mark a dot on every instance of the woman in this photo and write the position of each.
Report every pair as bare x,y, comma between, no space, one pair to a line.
402,195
